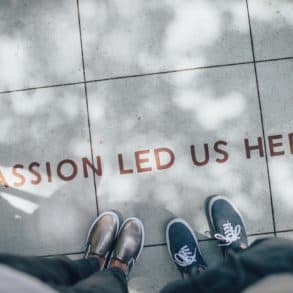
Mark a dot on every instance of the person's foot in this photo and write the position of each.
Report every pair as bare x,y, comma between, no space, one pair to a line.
226,223
101,237
183,247
128,246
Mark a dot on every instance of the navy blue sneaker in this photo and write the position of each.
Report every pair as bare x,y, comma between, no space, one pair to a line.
226,223
183,247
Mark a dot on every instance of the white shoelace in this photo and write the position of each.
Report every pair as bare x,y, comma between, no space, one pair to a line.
231,234
185,257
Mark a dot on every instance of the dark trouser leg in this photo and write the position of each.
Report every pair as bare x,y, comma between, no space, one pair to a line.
107,281
241,270
58,271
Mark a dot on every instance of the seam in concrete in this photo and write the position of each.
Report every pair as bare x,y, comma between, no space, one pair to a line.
262,121
273,59
87,105
41,87
145,74
164,243
170,71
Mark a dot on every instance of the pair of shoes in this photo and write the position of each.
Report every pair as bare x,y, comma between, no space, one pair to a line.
226,224
111,241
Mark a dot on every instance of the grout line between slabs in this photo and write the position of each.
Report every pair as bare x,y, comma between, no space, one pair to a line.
262,120
273,59
87,105
41,87
284,231
143,74
62,254
170,71
164,243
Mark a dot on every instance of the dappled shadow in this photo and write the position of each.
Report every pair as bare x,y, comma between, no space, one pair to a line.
179,110
40,46
47,125
175,110
136,37
272,25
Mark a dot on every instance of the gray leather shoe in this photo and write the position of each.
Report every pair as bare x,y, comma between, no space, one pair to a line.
102,235
129,243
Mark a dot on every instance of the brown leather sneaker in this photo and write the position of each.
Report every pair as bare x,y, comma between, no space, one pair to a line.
102,235
129,243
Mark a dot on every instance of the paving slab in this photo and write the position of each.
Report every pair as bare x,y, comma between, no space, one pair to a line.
133,119
288,235
153,271
211,252
135,37
43,211
272,28
40,44
275,80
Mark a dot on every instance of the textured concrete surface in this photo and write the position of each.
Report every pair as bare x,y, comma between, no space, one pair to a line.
171,102
275,79
272,28
178,110
40,44
171,35
51,216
